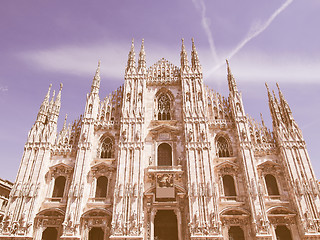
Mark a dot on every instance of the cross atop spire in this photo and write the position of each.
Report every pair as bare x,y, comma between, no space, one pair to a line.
194,58
96,80
184,57
131,65
142,59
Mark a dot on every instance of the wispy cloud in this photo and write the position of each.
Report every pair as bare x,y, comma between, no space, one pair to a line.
261,67
255,30
200,5
82,60
3,89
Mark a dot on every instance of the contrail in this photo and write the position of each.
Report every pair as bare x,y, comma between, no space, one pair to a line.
205,25
254,34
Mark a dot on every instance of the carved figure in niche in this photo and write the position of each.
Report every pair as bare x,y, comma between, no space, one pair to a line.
243,134
180,161
138,135
165,180
124,135
190,135
150,161
90,109
203,135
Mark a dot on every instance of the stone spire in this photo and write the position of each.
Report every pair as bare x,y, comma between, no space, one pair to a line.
184,57
65,122
57,103
195,63
286,111
96,81
274,108
131,65
44,106
142,59
51,102
231,81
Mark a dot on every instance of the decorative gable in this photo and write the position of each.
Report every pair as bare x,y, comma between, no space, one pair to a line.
163,72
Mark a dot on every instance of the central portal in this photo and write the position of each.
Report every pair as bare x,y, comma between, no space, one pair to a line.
165,225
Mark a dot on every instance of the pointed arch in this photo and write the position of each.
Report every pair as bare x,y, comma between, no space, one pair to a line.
164,108
223,146
107,147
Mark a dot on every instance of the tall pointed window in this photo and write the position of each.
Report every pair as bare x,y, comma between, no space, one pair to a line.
102,186
164,155
164,107
223,149
107,148
59,185
228,186
272,186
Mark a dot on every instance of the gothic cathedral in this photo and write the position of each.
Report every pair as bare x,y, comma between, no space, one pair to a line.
164,157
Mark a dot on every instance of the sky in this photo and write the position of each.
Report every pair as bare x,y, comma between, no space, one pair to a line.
45,42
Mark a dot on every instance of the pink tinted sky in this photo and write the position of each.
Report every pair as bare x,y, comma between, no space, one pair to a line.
45,42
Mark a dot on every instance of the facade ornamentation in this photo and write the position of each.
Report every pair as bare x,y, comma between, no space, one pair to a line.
164,157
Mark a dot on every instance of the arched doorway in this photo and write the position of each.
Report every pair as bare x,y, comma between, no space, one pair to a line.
96,233
165,225
283,233
50,233
236,233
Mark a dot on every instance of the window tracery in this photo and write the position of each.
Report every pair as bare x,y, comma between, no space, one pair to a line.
106,150
164,107
223,148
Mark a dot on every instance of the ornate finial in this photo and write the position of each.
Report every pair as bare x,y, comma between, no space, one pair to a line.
65,122
262,121
131,65
184,57
194,58
61,86
96,80
142,59
231,81
266,84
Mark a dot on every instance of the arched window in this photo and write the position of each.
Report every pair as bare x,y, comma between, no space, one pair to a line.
107,148
164,155
272,186
164,107
228,186
283,233
59,185
50,233
235,233
102,186
223,147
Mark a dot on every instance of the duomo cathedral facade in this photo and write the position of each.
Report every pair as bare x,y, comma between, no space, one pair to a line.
164,157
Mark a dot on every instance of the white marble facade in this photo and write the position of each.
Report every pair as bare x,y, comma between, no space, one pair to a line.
164,157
